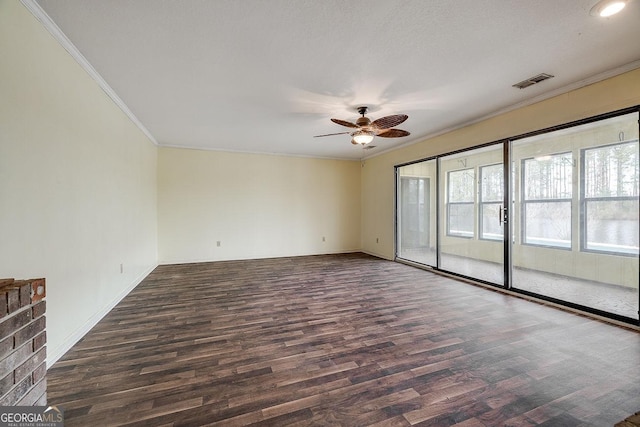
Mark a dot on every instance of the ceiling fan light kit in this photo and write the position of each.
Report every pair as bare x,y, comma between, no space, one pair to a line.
367,130
362,137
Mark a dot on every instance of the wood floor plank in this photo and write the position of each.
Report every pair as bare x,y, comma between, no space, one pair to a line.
343,339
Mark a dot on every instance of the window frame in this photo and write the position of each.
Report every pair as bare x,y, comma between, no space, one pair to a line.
524,202
482,204
450,204
584,200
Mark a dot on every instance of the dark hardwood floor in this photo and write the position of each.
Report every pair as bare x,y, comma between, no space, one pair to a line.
347,340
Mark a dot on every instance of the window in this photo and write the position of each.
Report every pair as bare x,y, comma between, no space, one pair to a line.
491,199
460,198
546,206
610,198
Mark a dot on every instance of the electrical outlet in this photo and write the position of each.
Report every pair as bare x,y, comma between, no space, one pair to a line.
218,243
377,240
323,239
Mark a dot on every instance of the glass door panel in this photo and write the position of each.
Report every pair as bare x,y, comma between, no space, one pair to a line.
471,232
416,218
575,218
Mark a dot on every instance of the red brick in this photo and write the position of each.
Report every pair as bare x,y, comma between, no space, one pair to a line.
39,341
6,282
11,324
39,309
6,345
29,332
22,342
15,358
17,392
4,307
25,295
34,396
30,365
13,299
40,372
42,400
38,290
6,383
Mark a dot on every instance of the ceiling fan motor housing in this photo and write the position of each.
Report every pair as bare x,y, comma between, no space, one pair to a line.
363,121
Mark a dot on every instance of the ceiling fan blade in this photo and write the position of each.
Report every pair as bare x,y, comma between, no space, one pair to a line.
345,123
331,134
393,133
389,121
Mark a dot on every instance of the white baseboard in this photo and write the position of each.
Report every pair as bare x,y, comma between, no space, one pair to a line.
376,255
200,260
53,355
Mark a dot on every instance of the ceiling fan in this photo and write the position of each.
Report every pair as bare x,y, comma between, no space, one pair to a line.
367,129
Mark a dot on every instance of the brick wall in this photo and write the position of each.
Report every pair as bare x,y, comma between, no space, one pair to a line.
23,353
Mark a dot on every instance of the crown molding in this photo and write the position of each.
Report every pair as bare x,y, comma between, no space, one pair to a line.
547,95
37,11
259,153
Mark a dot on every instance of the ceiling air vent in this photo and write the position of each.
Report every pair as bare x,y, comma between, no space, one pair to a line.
532,80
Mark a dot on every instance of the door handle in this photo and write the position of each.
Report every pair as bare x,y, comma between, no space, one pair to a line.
502,215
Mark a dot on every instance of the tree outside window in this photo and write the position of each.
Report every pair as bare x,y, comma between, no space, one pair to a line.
460,195
610,198
547,183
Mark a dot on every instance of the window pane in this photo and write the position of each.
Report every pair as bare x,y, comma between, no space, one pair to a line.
491,227
492,189
611,171
414,210
548,224
461,219
548,177
612,226
461,185
416,236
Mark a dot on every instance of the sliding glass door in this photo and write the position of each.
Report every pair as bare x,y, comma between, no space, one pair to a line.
416,214
471,210
576,233
554,214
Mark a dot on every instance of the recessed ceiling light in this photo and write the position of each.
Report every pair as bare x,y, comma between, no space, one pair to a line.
605,8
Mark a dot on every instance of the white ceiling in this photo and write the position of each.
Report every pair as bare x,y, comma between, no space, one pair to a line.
266,76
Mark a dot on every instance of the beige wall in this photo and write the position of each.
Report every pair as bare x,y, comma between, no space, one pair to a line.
77,182
84,192
378,172
256,206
